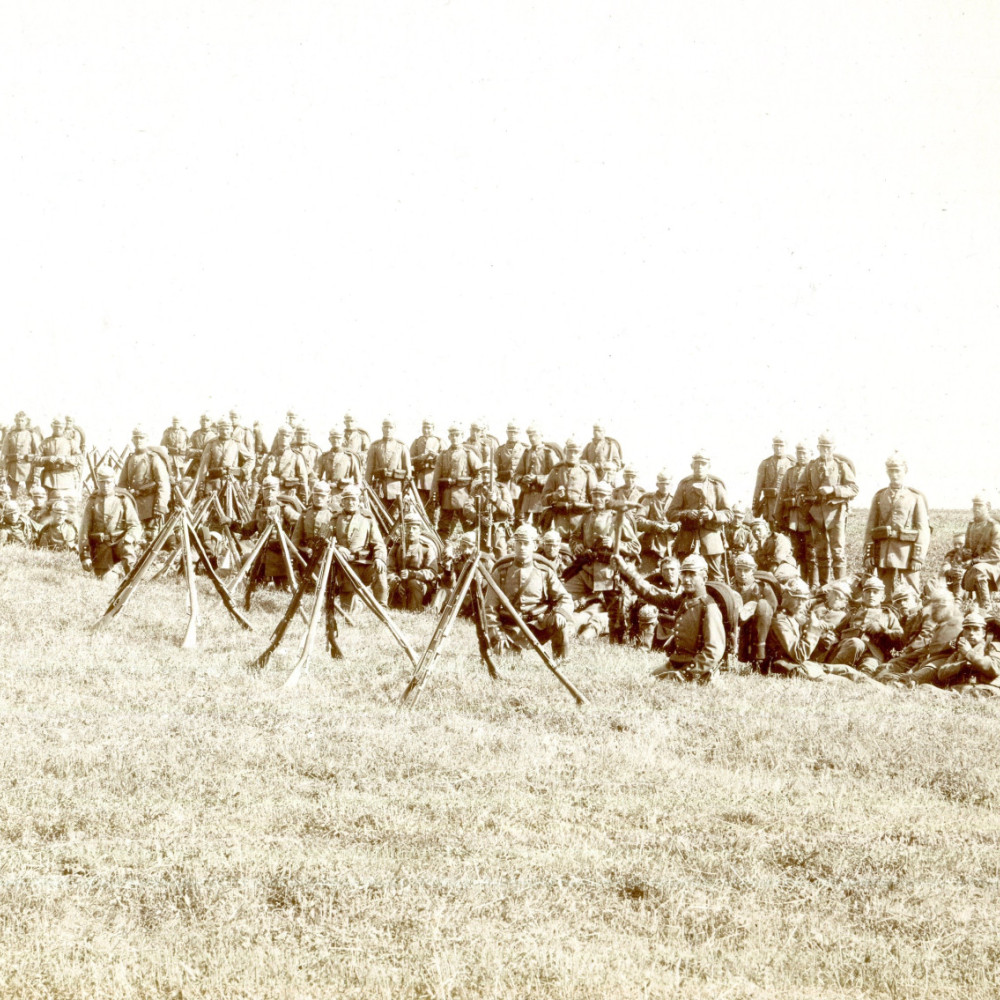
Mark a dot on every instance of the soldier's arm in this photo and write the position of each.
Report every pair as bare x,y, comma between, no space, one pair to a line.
558,596
848,489
799,649
922,525
868,550
654,595
757,500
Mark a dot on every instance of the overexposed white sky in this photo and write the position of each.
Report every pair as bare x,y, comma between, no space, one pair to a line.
701,222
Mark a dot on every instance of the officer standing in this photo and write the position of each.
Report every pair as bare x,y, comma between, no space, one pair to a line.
701,507
827,487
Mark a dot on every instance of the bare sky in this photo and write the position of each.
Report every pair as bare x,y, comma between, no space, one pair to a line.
702,222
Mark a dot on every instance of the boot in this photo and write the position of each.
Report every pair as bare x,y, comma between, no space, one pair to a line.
839,569
823,566
983,593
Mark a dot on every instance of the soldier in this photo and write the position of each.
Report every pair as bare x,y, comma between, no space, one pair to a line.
144,474
413,569
898,533
423,456
654,631
556,551
75,434
489,511
982,543
339,467
567,492
629,495
533,468
759,604
868,636
771,550
355,439
974,661
827,487
272,507
287,465
221,459
59,534
698,643
59,462
39,513
793,515
387,467
110,530
15,529
593,544
175,441
508,457
953,567
767,489
933,643
453,473
316,525
309,451
791,642
484,444
739,538
656,533
537,595
244,435
701,507
19,450
198,440
603,454
360,542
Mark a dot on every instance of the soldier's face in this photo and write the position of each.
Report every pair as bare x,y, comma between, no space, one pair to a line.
283,440
106,487
139,443
600,501
550,549
690,580
738,517
426,429
662,486
872,598
413,532
572,456
387,430
760,532
349,503
630,478
835,600
896,474
908,605
671,573
348,421
535,438
744,575
511,435
941,608
524,549
598,433
455,437
973,634
320,501
335,440
21,423
801,456
699,467
778,448
225,432
826,452
979,512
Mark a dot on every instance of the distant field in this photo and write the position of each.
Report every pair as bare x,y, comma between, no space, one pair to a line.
172,826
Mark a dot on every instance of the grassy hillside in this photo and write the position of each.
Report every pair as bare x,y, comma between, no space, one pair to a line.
172,826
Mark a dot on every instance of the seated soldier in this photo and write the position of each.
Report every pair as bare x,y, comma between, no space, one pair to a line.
973,661
15,529
773,549
315,526
791,643
982,545
413,568
110,529
537,595
739,537
361,544
489,510
953,567
273,508
59,533
556,551
759,604
933,643
39,514
831,609
868,635
650,626
698,643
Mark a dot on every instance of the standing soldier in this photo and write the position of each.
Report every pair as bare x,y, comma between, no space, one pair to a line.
568,492
508,456
19,449
793,515
982,548
75,434
198,440
453,473
701,507
355,439
315,525
413,568
59,461
604,454
221,458
631,493
288,466
898,533
656,533
339,467
767,489
387,467
531,472
242,434
361,543
60,533
423,456
827,487
110,530
480,441
175,440
309,450
144,474
490,511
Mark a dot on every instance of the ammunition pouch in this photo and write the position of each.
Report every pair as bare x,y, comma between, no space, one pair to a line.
769,493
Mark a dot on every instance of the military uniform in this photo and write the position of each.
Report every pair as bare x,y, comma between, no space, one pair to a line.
605,457
867,638
595,539
790,646
290,469
339,468
359,534
982,543
793,518
219,459
59,462
423,457
19,450
508,457
759,603
828,514
496,505
58,536
767,489
412,572
310,455
565,512
110,532
15,528
774,551
701,507
538,596
453,474
530,475
898,532
387,468
145,476
175,441
358,441
656,533
312,529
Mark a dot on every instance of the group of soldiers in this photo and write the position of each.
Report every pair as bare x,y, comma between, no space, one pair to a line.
580,547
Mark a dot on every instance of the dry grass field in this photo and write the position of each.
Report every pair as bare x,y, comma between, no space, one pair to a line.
173,826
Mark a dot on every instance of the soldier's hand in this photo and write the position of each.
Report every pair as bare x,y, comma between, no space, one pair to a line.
825,491
963,646
916,565
561,493
404,574
379,566
560,620
618,562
